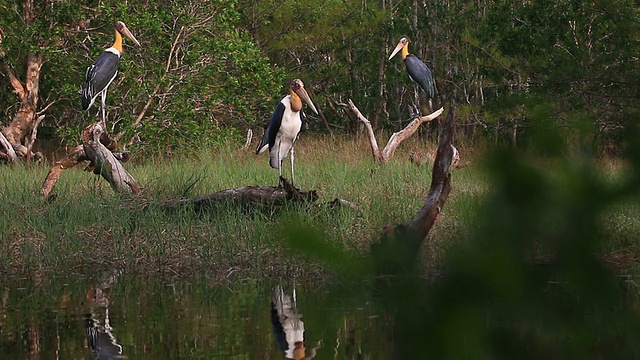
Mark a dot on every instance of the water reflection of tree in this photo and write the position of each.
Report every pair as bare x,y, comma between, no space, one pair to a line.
100,337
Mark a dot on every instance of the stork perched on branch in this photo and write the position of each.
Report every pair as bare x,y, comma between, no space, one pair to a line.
104,70
284,126
418,71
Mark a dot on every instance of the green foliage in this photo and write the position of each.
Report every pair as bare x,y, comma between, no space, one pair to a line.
576,56
212,69
333,46
203,76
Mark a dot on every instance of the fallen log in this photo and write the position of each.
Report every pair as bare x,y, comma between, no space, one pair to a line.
397,251
264,195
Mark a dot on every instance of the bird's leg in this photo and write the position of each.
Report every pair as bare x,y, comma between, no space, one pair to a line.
103,95
293,179
279,166
416,104
107,326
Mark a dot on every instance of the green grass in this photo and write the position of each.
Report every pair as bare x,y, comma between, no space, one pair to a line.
86,226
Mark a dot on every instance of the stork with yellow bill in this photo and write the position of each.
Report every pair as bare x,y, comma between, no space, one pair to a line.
104,70
284,126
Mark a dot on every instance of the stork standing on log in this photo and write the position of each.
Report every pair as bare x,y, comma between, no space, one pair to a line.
104,70
418,71
284,126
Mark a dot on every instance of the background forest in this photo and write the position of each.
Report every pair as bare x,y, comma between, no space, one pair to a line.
208,69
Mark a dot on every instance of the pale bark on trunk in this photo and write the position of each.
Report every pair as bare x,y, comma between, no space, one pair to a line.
105,163
9,153
102,160
18,132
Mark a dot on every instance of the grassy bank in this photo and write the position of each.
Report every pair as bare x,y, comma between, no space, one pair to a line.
86,226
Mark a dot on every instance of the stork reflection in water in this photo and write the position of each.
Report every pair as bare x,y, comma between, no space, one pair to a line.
100,338
288,327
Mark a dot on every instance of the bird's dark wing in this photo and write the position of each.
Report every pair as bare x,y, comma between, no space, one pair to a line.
98,76
269,137
420,73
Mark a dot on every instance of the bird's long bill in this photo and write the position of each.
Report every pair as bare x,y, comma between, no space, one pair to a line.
125,31
396,50
304,96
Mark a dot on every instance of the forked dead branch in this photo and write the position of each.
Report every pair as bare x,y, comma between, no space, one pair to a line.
397,138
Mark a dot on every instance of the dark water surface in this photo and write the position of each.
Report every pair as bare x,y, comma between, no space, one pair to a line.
121,316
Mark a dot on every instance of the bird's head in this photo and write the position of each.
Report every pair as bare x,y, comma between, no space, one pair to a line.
124,31
402,44
298,87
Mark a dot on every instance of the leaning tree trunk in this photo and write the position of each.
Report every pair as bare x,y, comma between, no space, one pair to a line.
97,147
20,133
398,249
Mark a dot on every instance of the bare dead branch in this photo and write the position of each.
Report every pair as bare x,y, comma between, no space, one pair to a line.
440,181
375,150
45,108
248,142
74,157
396,139
11,154
146,106
30,140
399,247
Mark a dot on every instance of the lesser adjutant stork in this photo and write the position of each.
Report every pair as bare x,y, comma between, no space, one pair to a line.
284,126
418,71
104,70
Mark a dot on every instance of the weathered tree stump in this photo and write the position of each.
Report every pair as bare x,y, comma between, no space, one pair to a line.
96,148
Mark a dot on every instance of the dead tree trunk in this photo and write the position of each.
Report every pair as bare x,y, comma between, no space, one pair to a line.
398,249
26,120
101,160
105,163
396,139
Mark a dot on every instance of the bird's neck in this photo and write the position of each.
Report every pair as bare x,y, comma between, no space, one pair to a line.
118,43
296,102
405,51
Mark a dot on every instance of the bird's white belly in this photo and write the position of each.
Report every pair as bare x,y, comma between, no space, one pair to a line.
289,129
